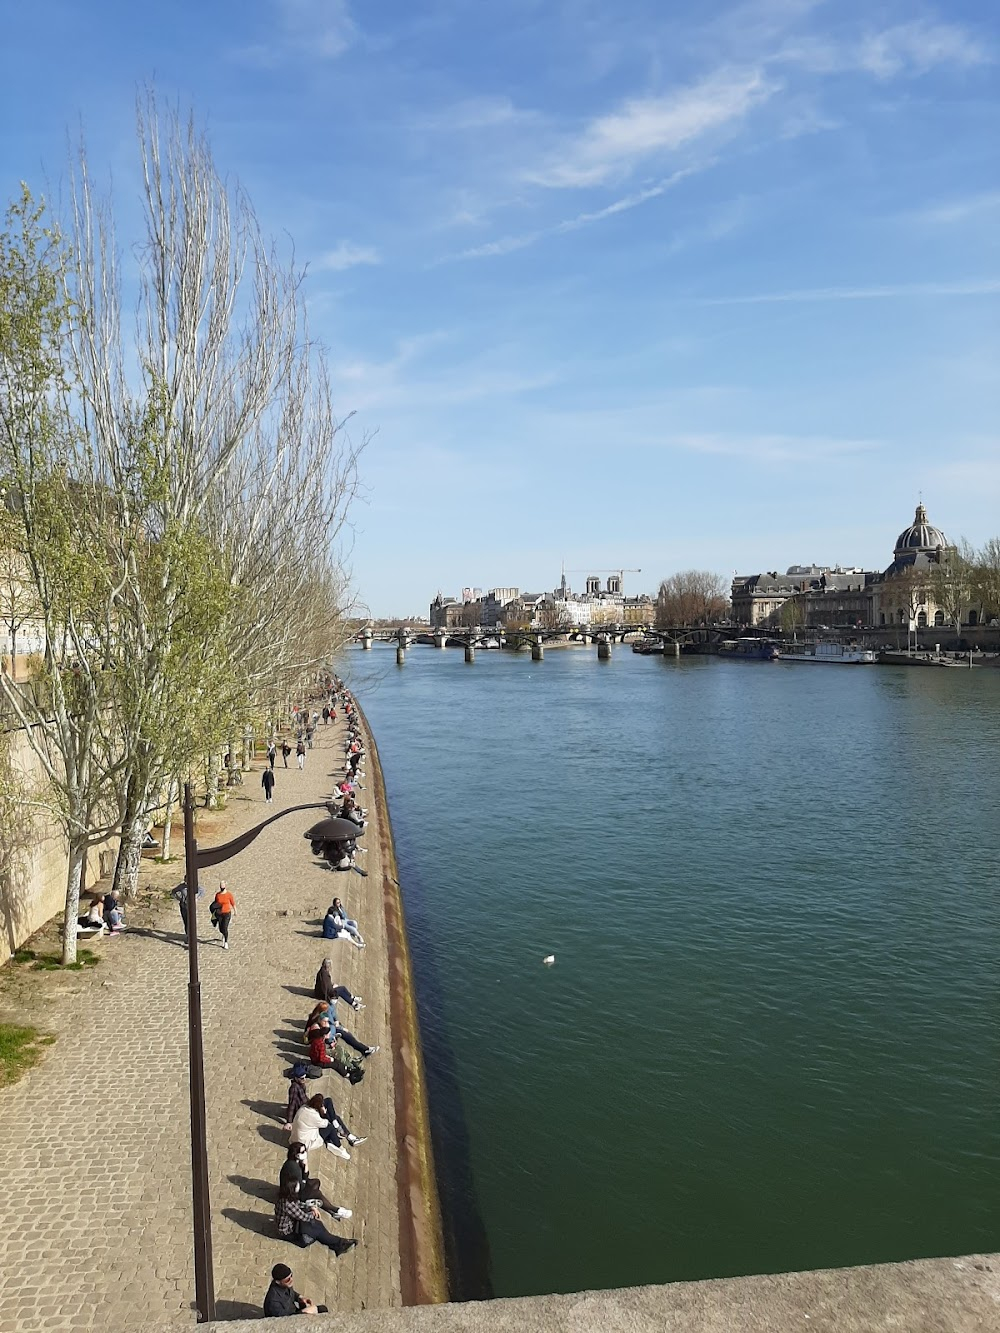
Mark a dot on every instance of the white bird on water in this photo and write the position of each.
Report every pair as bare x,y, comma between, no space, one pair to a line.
549,960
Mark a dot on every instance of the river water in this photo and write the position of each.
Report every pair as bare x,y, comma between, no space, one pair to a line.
769,1040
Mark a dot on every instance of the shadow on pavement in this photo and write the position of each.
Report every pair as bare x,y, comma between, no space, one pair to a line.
273,1110
238,1310
257,1189
164,936
261,1223
273,1134
300,990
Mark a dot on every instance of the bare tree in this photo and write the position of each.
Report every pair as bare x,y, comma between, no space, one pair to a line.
691,597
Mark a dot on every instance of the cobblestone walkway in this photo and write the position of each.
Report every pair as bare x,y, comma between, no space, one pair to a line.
95,1218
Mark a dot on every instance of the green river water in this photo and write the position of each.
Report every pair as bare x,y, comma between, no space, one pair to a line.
769,1039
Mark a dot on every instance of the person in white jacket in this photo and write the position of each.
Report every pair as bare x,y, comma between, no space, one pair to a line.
317,1124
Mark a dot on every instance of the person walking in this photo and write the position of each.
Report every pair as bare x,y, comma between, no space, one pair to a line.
300,754
286,750
181,895
223,909
267,782
271,754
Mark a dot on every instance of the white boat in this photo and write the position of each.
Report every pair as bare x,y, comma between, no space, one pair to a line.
831,654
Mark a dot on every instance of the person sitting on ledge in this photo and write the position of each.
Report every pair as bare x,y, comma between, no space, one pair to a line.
298,1221
328,1028
317,1125
333,930
295,1175
93,922
317,1031
326,988
344,922
282,1298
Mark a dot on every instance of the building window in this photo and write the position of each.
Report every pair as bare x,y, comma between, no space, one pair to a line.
881,619
973,617
922,620
938,619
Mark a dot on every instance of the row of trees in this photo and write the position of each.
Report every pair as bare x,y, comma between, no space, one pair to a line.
692,597
176,485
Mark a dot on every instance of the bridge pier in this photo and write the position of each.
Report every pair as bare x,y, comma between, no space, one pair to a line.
603,648
400,655
439,638
366,640
470,653
585,640
675,649
537,651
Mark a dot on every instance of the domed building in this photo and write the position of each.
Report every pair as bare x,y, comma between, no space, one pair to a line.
912,591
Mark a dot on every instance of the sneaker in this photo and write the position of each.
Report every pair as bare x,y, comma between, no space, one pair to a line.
372,1050
347,1245
355,1139
357,1003
225,944
342,1214
338,1151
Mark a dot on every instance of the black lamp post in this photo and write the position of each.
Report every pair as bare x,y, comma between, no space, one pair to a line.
195,860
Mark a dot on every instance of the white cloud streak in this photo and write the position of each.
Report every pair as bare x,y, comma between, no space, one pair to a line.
310,29
507,244
889,291
346,255
612,145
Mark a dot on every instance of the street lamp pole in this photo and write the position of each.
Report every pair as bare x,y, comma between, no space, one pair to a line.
204,1280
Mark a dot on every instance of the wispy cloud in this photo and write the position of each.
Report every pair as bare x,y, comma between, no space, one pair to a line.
889,291
476,113
906,49
508,244
313,29
612,145
917,47
803,449
953,211
346,255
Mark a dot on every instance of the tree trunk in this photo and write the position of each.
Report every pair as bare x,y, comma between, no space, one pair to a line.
126,879
74,877
172,786
130,856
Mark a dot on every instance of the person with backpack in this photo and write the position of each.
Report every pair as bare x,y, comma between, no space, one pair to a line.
267,782
300,753
223,909
286,750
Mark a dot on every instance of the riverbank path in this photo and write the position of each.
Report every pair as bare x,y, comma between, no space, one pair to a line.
95,1216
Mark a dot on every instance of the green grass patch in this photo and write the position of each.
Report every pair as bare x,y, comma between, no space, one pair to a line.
51,962
20,1048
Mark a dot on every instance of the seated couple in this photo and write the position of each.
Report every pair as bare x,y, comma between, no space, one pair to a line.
337,925
323,1028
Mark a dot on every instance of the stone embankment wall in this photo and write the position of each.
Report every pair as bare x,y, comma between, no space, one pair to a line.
33,859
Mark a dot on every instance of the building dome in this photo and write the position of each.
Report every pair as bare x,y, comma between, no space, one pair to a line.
919,536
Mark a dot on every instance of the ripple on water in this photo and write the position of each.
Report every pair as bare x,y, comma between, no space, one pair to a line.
769,1039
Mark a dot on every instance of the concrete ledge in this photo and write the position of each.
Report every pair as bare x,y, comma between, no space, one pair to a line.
421,1239
925,1296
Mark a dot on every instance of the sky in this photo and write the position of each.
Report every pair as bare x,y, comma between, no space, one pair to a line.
609,283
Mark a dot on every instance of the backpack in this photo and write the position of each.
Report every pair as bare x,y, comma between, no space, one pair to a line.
347,1064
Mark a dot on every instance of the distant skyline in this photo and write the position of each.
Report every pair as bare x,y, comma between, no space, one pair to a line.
703,284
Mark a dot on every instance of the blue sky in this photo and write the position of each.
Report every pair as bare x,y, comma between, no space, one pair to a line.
643,284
